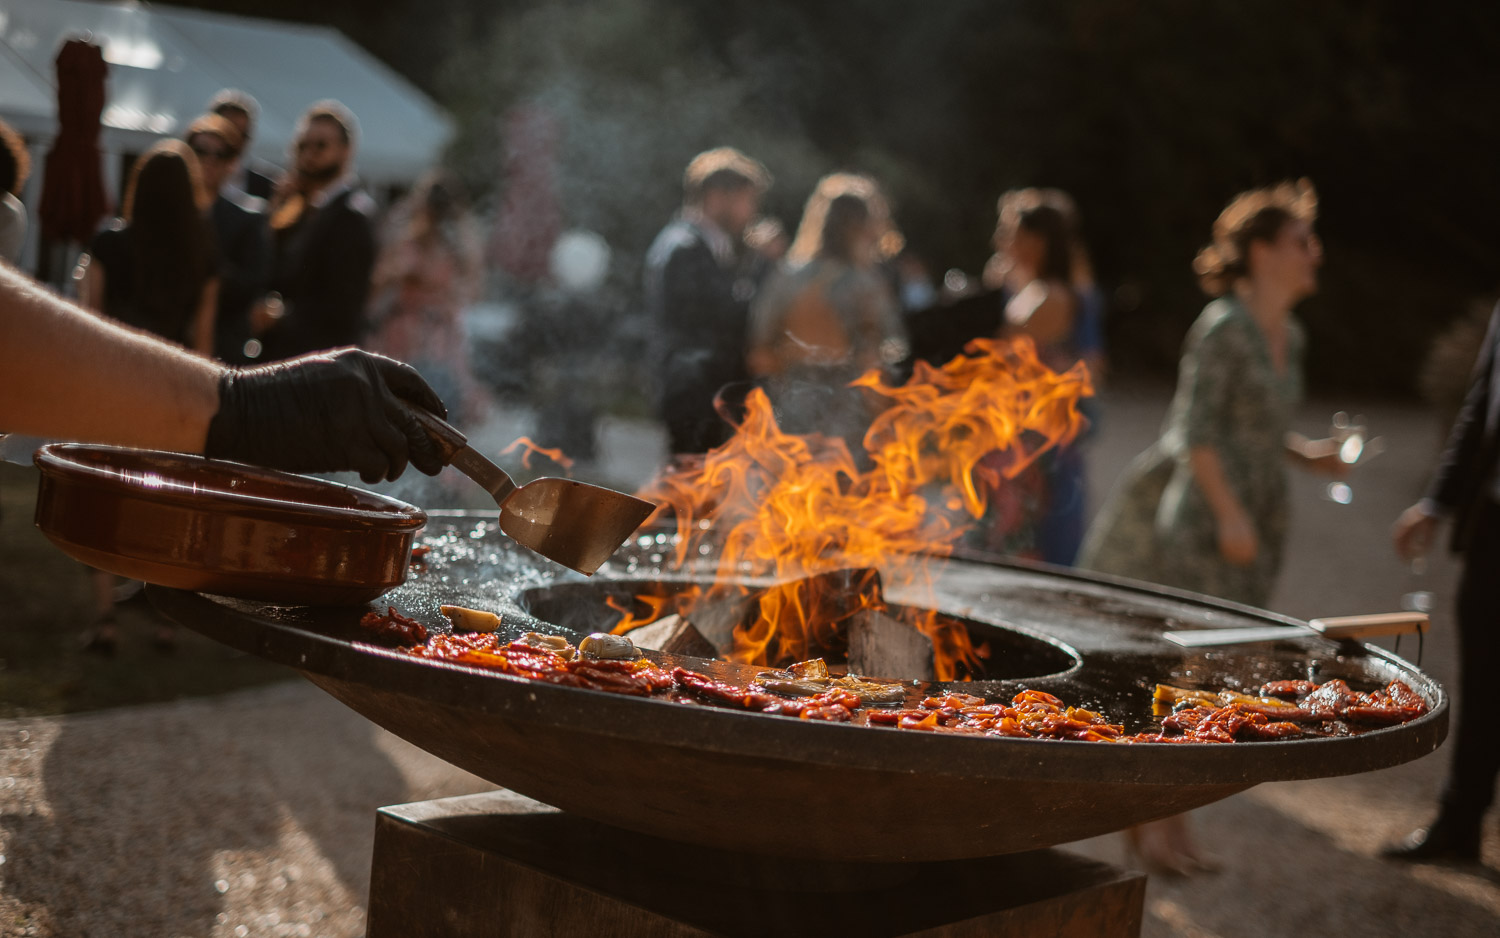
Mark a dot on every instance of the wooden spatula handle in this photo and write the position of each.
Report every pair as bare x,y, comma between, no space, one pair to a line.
448,439
1382,623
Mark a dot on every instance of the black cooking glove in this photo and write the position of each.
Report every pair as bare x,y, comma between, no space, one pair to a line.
326,412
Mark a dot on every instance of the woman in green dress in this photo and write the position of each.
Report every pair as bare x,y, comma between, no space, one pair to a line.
1205,507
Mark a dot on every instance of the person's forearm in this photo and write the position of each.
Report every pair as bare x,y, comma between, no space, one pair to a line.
67,374
1295,445
1208,473
203,326
1305,452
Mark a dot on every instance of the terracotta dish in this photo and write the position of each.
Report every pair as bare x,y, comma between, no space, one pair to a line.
223,527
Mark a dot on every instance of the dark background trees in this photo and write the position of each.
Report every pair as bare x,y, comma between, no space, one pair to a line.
1151,112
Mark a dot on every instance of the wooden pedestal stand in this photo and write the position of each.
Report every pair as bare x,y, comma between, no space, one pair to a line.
499,864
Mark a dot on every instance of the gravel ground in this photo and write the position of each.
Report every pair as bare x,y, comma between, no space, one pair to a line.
252,814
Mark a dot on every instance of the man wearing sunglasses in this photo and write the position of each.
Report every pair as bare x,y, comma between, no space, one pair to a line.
323,240
242,239
242,110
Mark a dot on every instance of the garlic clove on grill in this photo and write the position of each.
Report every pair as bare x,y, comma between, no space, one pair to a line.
605,645
553,643
470,620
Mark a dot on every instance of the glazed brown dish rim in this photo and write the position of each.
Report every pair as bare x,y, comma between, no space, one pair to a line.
57,459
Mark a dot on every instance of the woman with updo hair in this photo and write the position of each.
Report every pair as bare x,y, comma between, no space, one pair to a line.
1205,508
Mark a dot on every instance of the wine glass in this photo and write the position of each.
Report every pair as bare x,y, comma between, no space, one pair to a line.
1417,600
1352,436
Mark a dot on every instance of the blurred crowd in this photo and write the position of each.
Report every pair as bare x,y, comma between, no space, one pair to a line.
737,304
247,266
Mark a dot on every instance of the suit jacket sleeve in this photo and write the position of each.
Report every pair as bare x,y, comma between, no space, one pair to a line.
1460,467
245,262
692,293
329,313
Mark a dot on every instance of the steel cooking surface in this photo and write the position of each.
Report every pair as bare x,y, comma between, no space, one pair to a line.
783,786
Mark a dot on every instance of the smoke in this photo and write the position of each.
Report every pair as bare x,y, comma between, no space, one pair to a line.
640,86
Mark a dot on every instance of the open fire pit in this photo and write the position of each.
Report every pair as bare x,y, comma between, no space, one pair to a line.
787,787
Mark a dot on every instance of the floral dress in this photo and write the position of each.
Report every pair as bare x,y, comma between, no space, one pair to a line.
1157,526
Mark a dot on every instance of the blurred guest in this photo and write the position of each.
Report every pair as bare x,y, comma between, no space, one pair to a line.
240,234
154,269
1038,514
1001,273
1205,508
15,164
699,281
1047,291
1465,488
828,315
324,241
1041,303
426,275
241,110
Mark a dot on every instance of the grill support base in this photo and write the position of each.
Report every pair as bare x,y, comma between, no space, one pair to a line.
499,864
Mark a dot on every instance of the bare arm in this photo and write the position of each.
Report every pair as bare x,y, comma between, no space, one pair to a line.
1320,456
1414,530
1236,532
1042,311
91,285
65,373
203,322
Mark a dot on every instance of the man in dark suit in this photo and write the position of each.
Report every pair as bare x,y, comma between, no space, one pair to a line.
323,232
700,280
241,110
1466,490
241,239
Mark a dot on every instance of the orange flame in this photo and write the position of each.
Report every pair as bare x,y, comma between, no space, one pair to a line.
628,619
801,620
529,449
793,506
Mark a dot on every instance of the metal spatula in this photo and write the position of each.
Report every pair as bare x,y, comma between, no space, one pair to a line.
1334,627
574,523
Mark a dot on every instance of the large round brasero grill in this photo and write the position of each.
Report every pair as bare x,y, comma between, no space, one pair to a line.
779,786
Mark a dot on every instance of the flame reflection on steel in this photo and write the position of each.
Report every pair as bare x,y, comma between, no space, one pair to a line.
790,506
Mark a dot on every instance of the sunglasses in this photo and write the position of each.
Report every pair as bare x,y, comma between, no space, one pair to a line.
211,153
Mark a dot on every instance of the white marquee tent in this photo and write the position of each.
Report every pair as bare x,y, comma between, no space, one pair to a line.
166,62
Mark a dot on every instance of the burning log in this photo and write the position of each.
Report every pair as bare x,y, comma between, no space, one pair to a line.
717,618
838,614
675,636
804,618
881,645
